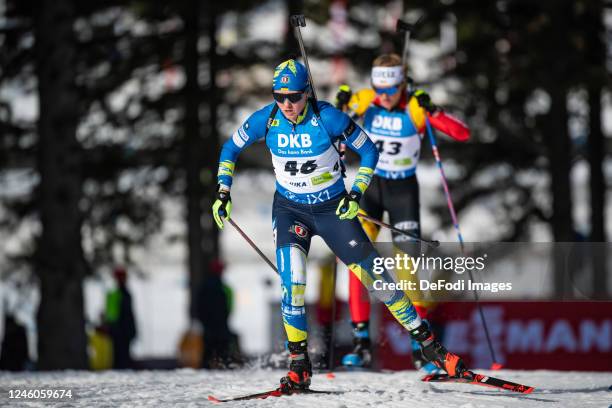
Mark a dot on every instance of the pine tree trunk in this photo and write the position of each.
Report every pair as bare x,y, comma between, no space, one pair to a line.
211,139
193,149
596,150
59,262
560,165
559,148
596,80
598,195
559,153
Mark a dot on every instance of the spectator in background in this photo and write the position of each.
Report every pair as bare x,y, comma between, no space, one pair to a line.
120,320
100,346
214,305
14,355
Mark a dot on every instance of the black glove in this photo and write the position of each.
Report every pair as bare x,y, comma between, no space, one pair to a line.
424,101
343,96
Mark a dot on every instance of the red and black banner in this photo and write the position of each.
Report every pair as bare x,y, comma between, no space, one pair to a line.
525,335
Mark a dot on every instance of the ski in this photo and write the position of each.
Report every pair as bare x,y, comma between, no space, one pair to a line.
480,379
273,393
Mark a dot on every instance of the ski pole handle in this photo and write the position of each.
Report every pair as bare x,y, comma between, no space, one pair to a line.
407,29
297,20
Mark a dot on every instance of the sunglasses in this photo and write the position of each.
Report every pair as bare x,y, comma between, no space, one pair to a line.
293,97
388,91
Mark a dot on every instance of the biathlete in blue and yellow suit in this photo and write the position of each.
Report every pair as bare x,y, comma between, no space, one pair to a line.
310,200
395,121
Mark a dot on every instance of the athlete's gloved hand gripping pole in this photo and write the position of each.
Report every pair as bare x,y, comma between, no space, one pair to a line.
222,207
343,96
349,205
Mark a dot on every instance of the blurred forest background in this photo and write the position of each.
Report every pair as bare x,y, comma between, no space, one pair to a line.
132,100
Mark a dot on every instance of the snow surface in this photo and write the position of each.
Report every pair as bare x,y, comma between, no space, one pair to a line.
396,389
160,293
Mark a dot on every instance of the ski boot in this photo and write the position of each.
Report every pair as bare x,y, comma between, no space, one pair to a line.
361,356
300,369
436,353
419,362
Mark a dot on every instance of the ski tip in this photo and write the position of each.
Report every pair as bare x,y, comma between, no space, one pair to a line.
331,376
526,390
496,366
428,377
213,398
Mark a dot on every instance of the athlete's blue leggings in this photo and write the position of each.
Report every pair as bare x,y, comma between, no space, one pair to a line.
294,225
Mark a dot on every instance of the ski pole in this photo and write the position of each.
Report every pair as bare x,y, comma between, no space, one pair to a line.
297,21
451,209
252,244
449,201
407,29
332,335
433,243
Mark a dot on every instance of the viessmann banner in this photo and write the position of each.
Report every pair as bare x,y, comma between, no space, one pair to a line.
525,335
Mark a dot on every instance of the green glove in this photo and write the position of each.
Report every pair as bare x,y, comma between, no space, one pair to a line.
425,101
349,206
343,96
222,207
